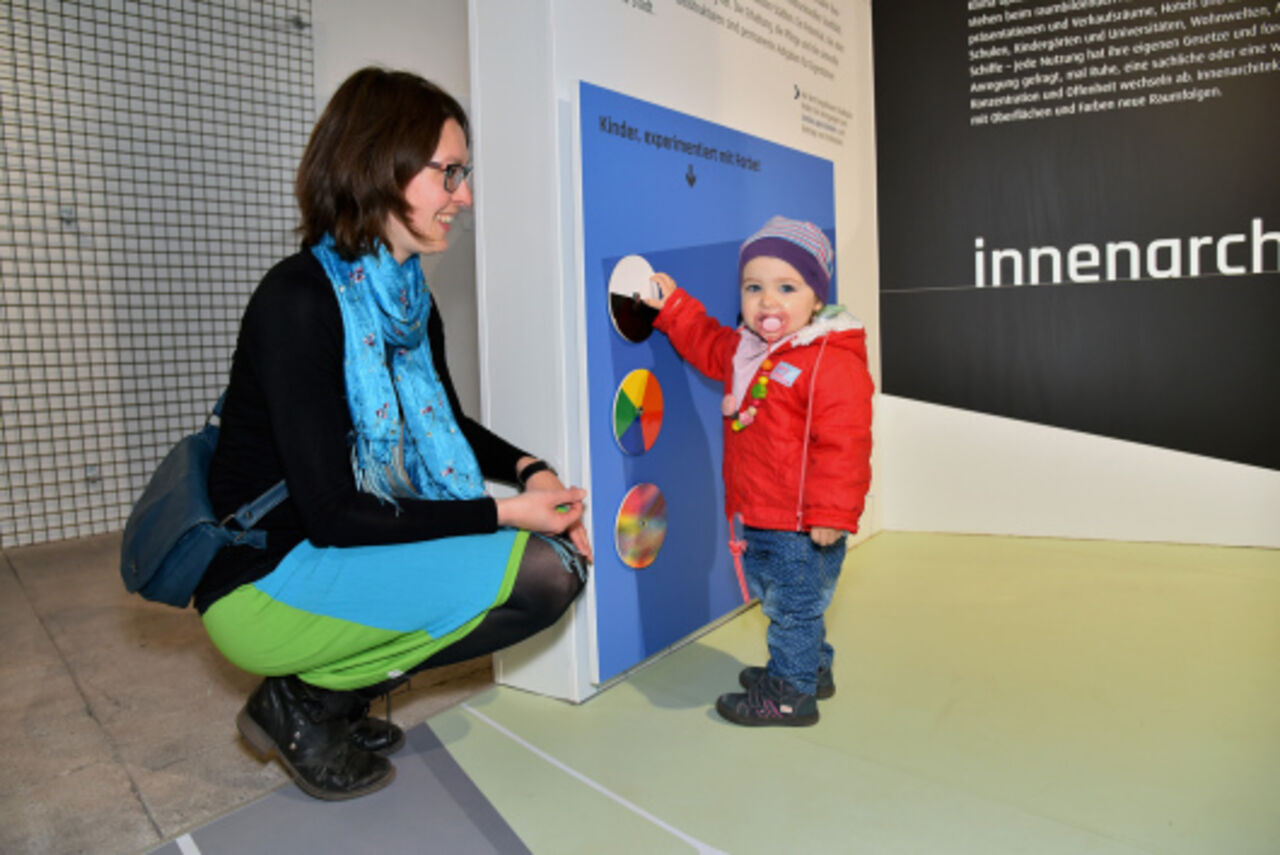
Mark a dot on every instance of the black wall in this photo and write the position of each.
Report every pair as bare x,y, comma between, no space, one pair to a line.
1189,363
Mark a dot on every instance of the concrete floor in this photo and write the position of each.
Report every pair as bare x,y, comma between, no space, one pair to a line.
995,695
117,716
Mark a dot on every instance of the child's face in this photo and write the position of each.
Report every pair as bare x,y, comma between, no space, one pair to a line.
775,299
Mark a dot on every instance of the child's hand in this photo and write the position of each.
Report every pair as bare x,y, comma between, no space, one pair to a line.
666,287
823,536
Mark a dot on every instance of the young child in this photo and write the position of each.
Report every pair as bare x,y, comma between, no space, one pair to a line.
797,446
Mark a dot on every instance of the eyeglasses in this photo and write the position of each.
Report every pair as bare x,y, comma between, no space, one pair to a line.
454,173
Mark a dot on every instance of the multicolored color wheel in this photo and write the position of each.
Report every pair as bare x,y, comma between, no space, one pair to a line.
641,525
637,412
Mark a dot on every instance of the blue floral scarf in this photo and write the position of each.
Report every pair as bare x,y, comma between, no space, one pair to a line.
407,442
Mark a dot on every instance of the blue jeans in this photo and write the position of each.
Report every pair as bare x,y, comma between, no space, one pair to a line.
794,579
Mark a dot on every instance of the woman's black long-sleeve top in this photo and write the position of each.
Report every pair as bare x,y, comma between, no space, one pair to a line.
286,416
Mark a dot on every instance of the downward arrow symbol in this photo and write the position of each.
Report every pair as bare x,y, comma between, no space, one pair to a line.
690,177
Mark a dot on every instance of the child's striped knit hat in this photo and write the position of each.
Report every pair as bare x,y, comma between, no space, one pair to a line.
800,244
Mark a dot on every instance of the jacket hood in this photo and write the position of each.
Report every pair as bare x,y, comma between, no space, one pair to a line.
834,322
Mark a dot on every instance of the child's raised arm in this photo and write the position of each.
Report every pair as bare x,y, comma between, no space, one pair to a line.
700,339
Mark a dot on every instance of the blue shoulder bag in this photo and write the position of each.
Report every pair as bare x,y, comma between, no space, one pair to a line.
172,534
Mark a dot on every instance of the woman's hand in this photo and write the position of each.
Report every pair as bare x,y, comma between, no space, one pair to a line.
547,506
823,536
666,287
543,511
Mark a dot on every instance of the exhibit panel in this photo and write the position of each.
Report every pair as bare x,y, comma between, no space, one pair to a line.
660,191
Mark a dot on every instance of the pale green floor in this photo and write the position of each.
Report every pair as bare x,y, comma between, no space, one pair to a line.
995,695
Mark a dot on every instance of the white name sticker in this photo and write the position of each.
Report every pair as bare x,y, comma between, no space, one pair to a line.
785,373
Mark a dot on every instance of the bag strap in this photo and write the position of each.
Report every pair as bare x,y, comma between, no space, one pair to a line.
248,514
215,415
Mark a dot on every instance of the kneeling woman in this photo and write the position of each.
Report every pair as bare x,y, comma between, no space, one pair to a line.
388,557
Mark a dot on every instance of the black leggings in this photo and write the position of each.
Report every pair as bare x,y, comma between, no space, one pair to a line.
543,589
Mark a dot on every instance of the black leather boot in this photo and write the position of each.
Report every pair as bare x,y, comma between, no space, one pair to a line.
377,735
308,730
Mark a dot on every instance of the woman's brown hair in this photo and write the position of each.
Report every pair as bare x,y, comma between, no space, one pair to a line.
378,131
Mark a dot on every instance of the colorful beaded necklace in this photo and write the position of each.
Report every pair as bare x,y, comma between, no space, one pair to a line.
759,389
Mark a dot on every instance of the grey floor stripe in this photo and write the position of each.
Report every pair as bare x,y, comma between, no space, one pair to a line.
432,806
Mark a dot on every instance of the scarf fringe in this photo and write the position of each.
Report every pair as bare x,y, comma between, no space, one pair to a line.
570,558
367,483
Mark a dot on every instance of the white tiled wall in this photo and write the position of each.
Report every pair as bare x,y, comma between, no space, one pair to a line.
146,172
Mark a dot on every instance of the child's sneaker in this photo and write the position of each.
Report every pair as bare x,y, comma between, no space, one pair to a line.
749,676
769,701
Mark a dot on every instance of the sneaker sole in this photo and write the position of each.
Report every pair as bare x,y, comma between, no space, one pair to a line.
265,747
792,721
824,692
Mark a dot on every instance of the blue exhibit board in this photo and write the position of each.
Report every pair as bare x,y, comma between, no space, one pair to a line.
681,193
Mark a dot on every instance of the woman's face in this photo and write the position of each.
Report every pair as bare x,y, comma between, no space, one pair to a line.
776,301
431,207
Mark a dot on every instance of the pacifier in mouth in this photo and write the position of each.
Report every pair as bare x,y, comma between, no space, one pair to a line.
771,324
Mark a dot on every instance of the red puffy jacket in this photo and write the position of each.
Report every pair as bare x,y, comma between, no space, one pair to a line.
778,473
